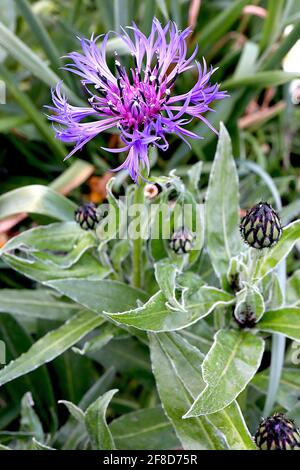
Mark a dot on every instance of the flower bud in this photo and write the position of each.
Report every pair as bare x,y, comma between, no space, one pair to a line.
261,226
277,433
245,317
86,216
181,241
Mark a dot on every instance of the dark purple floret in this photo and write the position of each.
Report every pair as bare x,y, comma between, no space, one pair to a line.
140,101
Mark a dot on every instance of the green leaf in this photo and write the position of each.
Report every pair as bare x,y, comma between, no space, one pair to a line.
261,80
247,63
55,251
86,268
249,297
36,445
163,8
220,24
36,199
42,303
107,332
37,28
293,289
51,345
222,207
126,355
273,256
74,410
194,174
294,414
59,244
228,367
155,315
72,432
30,422
95,421
144,429
197,433
25,56
17,341
8,16
166,273
10,122
34,113
272,23
272,291
185,361
283,320
99,296
288,391
231,423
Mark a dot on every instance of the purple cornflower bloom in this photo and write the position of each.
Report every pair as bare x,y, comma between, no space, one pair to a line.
139,102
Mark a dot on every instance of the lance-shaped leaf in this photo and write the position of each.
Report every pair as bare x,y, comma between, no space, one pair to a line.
51,345
273,256
155,315
59,244
231,423
228,367
36,303
144,429
283,320
95,421
30,421
222,208
36,199
99,296
195,434
55,251
186,362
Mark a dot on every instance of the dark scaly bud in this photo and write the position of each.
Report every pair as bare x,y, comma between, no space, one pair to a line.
182,241
277,433
245,317
261,226
86,216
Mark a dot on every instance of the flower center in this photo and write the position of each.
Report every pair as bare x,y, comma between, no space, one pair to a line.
136,100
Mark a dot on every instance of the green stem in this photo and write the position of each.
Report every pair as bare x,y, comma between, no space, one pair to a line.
278,340
137,255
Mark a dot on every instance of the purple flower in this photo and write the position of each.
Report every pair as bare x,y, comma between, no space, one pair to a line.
139,102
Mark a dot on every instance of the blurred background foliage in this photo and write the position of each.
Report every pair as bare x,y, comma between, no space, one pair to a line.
252,43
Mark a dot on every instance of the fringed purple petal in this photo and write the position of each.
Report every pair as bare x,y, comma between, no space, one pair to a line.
139,102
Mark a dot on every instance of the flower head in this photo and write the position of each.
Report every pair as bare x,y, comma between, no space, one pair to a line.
138,101
261,226
86,216
277,433
182,241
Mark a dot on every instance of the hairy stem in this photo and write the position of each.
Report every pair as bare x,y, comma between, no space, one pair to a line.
137,254
278,340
